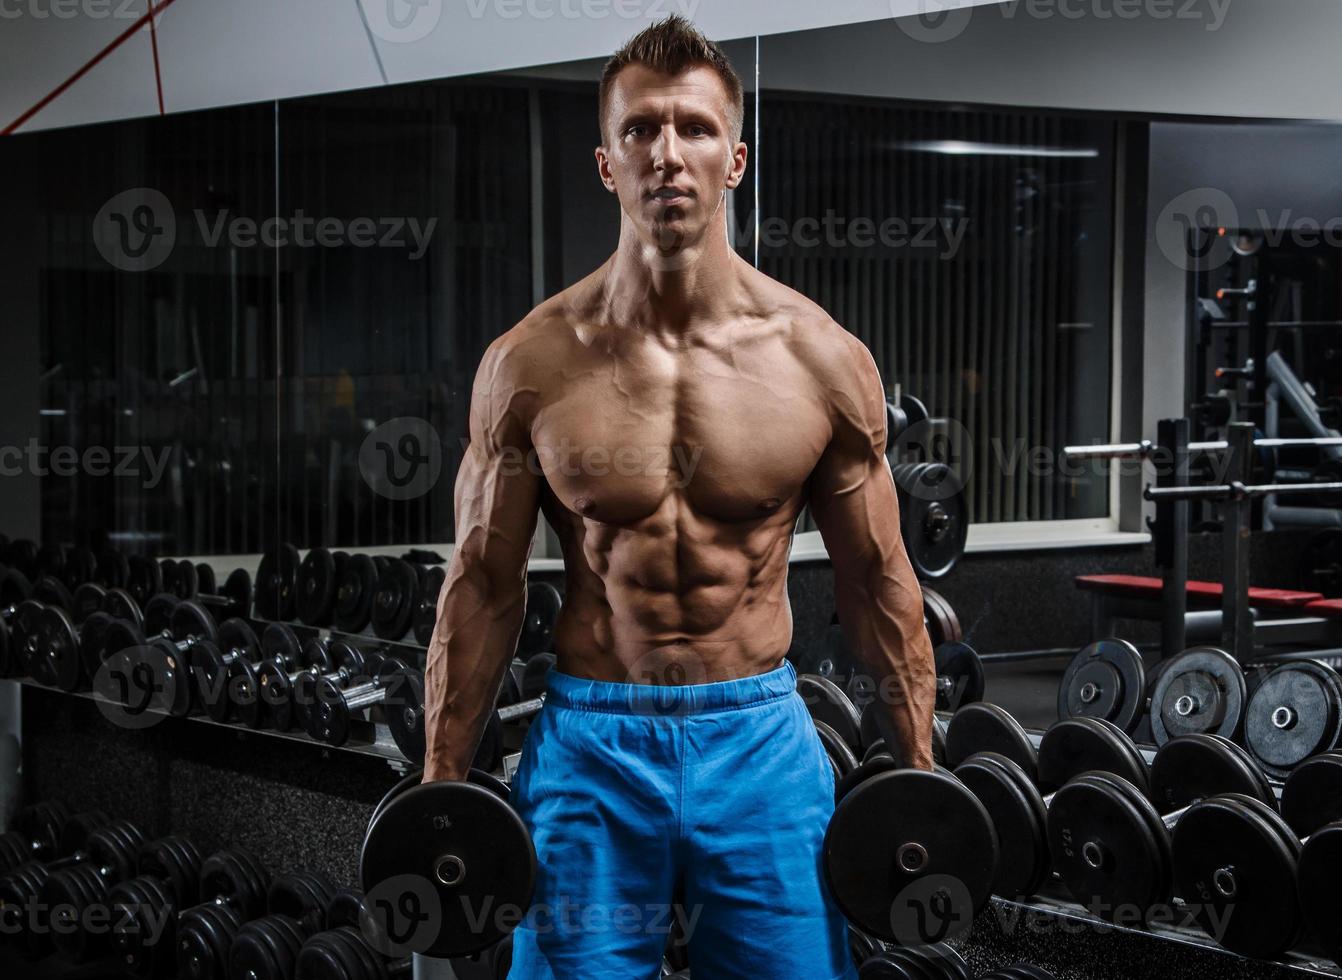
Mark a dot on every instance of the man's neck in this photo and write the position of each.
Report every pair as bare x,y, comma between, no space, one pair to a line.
673,292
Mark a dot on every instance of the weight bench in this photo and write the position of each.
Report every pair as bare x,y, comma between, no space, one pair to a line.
1138,597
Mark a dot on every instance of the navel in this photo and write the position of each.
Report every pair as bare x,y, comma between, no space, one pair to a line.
584,505
769,504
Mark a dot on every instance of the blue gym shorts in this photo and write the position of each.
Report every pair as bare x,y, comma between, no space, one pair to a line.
723,790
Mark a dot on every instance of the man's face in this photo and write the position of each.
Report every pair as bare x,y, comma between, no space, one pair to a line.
669,152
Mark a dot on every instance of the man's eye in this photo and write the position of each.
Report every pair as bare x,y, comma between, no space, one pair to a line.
698,130
636,131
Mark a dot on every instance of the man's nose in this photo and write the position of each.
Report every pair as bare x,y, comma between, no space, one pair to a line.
666,152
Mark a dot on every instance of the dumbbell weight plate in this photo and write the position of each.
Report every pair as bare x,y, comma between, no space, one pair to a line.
190,620
840,755
1076,745
355,586
144,579
828,704
50,560
1105,680
145,944
1199,690
542,614
1312,795
483,854
276,583
943,626
1197,766
186,584
58,651
1234,863
894,842
121,604
395,600
113,570
51,591
340,655
237,874
1316,883
984,727
206,581
535,675
1109,845
1020,817
81,566
959,663
88,599
15,587
315,600
169,573
933,516
1295,713
403,711
158,613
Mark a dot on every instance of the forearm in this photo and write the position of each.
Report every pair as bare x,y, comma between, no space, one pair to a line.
882,617
473,642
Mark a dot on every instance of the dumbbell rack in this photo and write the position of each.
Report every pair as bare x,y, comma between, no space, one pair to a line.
1054,902
366,737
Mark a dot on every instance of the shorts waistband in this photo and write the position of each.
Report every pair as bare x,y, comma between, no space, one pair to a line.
567,691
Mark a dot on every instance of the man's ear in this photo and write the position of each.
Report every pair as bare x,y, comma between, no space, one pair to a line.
736,171
603,168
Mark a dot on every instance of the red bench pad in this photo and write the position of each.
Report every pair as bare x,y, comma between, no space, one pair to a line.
1148,587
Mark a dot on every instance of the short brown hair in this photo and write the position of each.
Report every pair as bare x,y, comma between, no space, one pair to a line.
670,47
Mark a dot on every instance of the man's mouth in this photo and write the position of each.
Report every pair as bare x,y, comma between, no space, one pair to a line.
671,195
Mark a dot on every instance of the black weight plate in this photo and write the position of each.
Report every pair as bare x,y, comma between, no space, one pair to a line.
933,517
329,717
1106,848
938,741
1199,690
1312,796
354,594
15,587
403,710
25,636
426,612
394,600
168,572
120,604
463,842
827,703
914,965
171,672
51,591
237,593
943,626
1317,885
874,766
958,663
840,755
276,697
22,555
87,600
1076,745
276,583
60,643
1105,680
315,601
1020,817
187,581
830,658
909,852
246,695
1197,766
81,566
190,620
1237,873
280,643
538,629
144,579
1295,713
984,727
237,635
344,908
206,581
158,613
113,570
884,966
212,678
536,674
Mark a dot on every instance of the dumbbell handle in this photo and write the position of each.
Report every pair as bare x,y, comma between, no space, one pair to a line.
523,709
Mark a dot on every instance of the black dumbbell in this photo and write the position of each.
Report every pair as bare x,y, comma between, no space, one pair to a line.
277,583
318,574
356,583
483,854
285,663
156,673
173,862
335,661
267,948
145,907
19,622
1237,863
225,674
198,583
1294,713
46,831
109,851
233,889
396,598
334,706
